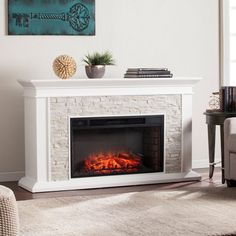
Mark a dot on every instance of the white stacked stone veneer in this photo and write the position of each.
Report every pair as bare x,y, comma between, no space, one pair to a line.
61,109
49,105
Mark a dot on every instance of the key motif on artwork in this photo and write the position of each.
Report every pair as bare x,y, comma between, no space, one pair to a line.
78,17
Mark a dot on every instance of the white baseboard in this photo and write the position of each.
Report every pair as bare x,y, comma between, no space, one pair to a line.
11,176
203,163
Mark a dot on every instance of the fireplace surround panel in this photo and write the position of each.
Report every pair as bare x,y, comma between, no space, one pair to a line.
50,105
64,108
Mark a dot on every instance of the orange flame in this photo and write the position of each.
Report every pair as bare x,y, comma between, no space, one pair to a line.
107,163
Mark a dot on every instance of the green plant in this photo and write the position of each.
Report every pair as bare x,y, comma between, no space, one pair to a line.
97,58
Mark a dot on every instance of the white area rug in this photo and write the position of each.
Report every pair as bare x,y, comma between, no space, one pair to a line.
195,211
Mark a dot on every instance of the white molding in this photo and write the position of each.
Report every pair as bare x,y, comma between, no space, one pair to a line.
224,43
198,164
203,163
107,87
48,140
11,176
105,182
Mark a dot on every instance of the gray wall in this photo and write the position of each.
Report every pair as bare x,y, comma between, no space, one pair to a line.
181,35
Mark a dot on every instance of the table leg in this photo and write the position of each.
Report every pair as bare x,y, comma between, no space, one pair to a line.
211,148
222,153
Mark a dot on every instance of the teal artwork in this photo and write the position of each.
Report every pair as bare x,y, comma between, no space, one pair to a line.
51,17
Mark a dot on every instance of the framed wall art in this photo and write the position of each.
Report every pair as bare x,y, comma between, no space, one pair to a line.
51,17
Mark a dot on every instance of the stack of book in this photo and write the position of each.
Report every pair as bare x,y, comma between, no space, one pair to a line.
148,73
228,99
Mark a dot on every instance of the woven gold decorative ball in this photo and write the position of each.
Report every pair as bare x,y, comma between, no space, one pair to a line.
64,66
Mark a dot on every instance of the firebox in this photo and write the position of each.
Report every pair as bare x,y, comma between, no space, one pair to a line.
116,145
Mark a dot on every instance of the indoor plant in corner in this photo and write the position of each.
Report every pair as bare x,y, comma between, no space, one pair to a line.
96,63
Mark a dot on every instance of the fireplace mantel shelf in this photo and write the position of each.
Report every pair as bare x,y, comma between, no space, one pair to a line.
108,86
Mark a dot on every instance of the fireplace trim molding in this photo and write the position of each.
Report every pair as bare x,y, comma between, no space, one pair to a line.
107,87
37,94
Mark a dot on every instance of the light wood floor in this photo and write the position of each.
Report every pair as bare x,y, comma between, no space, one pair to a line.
22,194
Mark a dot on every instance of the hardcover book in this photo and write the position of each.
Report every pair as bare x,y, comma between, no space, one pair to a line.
149,72
228,99
147,69
148,76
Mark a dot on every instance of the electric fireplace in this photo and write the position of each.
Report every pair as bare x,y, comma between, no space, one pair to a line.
116,145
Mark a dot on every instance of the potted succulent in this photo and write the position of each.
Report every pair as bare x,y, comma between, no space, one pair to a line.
96,62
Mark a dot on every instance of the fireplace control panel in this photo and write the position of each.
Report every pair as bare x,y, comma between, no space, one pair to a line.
109,122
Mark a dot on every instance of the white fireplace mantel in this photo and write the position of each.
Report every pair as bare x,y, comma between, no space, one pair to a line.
39,93
107,87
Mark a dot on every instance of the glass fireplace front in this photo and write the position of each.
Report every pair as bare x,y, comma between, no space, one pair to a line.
116,145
